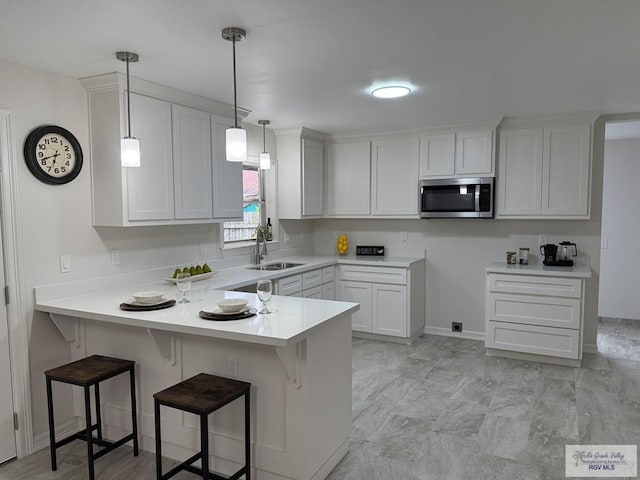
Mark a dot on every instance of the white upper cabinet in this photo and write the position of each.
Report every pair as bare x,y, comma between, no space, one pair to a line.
459,154
192,162
437,155
349,178
227,176
150,186
544,173
394,177
474,153
300,174
176,182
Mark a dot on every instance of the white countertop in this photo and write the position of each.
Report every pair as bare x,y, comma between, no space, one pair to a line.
577,271
292,318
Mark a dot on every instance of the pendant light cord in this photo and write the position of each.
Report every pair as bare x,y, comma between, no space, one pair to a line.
128,100
264,140
235,95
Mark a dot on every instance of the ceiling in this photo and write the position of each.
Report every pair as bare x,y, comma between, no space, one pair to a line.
312,62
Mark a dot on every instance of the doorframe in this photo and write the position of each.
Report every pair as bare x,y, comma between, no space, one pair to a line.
18,324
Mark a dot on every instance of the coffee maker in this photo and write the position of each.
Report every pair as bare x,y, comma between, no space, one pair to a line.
559,256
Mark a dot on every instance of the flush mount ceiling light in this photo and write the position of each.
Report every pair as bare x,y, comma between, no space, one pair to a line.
392,91
236,136
129,146
265,158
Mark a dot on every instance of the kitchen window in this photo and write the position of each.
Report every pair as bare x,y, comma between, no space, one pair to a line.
253,211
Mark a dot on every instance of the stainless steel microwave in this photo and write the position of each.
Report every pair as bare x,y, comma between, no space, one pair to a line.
457,198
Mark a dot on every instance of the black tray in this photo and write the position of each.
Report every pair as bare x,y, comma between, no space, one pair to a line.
221,317
134,307
559,263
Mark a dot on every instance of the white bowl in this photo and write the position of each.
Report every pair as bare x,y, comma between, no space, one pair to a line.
232,305
148,297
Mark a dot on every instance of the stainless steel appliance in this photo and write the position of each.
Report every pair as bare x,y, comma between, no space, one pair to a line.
564,251
457,198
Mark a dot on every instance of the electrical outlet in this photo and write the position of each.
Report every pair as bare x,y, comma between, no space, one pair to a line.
286,238
403,237
203,248
604,243
65,263
456,327
542,239
115,257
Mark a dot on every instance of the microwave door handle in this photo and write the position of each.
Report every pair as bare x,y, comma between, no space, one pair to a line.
477,197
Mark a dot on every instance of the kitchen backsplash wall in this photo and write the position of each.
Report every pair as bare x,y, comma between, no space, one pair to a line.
457,253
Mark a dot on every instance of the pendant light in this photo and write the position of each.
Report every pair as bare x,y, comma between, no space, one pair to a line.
265,158
236,137
129,146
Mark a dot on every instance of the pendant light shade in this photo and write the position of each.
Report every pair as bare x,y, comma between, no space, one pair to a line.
236,136
130,152
236,145
265,158
129,146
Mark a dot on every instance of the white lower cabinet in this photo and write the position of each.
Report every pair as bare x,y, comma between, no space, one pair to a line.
533,314
318,283
391,298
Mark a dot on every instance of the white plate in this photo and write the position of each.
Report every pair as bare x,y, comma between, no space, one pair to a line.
194,278
215,310
133,301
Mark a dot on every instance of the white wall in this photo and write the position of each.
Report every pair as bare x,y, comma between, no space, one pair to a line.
620,261
56,220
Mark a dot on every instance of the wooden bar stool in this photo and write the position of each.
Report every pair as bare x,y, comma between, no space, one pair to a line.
85,373
202,395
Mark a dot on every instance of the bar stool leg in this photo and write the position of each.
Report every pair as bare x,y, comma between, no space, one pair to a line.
156,417
87,410
204,445
96,389
247,434
52,433
134,411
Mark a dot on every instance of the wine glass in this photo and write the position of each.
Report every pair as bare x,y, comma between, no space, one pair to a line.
264,289
183,281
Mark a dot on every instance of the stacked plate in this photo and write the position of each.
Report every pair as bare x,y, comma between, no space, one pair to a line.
228,309
147,301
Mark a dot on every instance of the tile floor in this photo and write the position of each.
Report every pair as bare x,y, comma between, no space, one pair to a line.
440,409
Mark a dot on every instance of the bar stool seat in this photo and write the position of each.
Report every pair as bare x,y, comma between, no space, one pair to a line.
87,372
202,395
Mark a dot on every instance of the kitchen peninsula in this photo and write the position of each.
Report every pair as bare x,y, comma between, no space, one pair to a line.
298,360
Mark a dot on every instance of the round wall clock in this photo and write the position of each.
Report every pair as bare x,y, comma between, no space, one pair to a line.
53,154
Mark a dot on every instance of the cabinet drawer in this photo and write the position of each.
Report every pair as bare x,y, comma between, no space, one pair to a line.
315,292
289,286
359,273
536,285
311,279
557,342
534,310
327,274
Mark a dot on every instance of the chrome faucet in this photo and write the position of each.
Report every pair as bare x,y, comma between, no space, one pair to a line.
261,235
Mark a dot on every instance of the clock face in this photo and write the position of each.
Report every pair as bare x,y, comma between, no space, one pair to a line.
53,154
56,157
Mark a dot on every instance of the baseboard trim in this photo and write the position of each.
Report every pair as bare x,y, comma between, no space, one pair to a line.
41,440
532,357
445,332
590,348
333,460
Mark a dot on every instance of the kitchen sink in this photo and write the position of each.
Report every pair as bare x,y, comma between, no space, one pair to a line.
275,266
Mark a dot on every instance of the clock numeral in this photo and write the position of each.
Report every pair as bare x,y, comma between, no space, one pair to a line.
62,169
66,148
47,141
56,170
67,163
54,140
49,168
42,146
43,162
68,155
40,154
